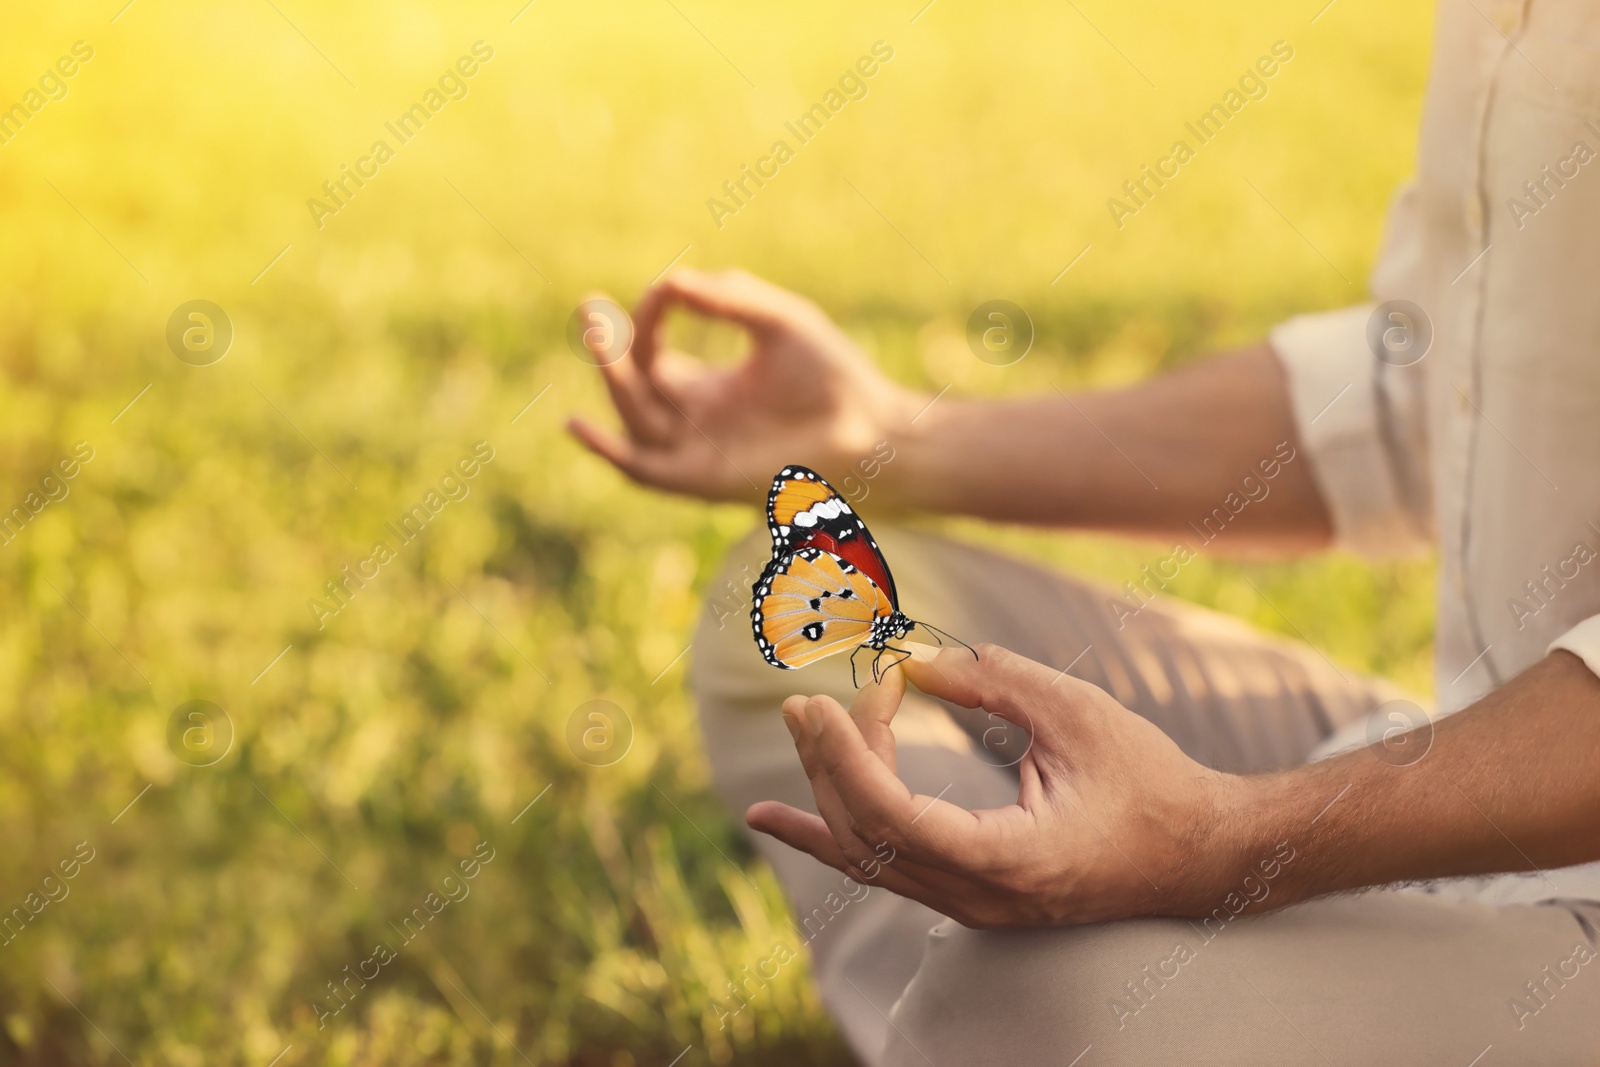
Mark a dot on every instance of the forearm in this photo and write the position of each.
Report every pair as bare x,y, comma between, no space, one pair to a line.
1510,784
1146,460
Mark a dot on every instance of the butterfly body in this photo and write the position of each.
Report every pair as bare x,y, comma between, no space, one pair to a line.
827,588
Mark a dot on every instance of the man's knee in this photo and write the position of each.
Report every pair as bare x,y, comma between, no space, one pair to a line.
1043,995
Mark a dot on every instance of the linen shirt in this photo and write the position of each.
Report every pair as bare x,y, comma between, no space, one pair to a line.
1484,439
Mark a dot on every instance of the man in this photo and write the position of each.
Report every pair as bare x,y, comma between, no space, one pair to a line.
1120,892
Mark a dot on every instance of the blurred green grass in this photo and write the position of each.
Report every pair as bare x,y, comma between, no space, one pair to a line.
423,318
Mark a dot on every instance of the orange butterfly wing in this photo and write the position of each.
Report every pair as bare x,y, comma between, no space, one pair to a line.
811,605
804,511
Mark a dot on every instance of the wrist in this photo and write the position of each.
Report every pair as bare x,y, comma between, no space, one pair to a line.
1236,855
930,435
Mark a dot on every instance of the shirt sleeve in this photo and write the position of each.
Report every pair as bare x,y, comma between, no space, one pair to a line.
1583,641
1362,423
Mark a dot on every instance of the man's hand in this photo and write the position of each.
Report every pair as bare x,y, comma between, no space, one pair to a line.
806,394
1111,820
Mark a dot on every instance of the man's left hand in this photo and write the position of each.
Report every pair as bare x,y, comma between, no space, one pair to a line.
1111,820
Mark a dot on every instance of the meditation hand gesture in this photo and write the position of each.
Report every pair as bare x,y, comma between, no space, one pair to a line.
1111,819
806,393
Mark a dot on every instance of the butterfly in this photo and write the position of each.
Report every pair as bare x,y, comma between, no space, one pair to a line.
827,588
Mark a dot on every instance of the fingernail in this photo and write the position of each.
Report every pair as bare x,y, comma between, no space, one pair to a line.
814,717
793,724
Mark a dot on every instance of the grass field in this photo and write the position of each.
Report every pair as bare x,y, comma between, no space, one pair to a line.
375,345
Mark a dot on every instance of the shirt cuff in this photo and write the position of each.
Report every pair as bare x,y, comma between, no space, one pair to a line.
1583,641
1335,403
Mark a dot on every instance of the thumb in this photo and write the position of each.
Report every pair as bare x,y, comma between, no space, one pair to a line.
1008,686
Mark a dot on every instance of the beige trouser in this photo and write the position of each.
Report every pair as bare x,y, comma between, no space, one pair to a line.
1388,976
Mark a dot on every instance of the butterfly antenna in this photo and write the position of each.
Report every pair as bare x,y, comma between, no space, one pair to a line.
938,633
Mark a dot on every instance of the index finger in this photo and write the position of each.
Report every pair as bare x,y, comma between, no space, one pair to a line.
881,807
735,296
873,709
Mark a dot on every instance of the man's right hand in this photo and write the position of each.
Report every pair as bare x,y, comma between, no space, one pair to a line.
806,393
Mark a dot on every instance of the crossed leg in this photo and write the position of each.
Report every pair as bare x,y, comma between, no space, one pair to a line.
906,985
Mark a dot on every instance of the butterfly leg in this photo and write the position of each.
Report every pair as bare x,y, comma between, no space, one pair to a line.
902,654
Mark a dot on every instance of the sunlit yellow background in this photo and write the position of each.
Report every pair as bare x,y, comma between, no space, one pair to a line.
372,353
